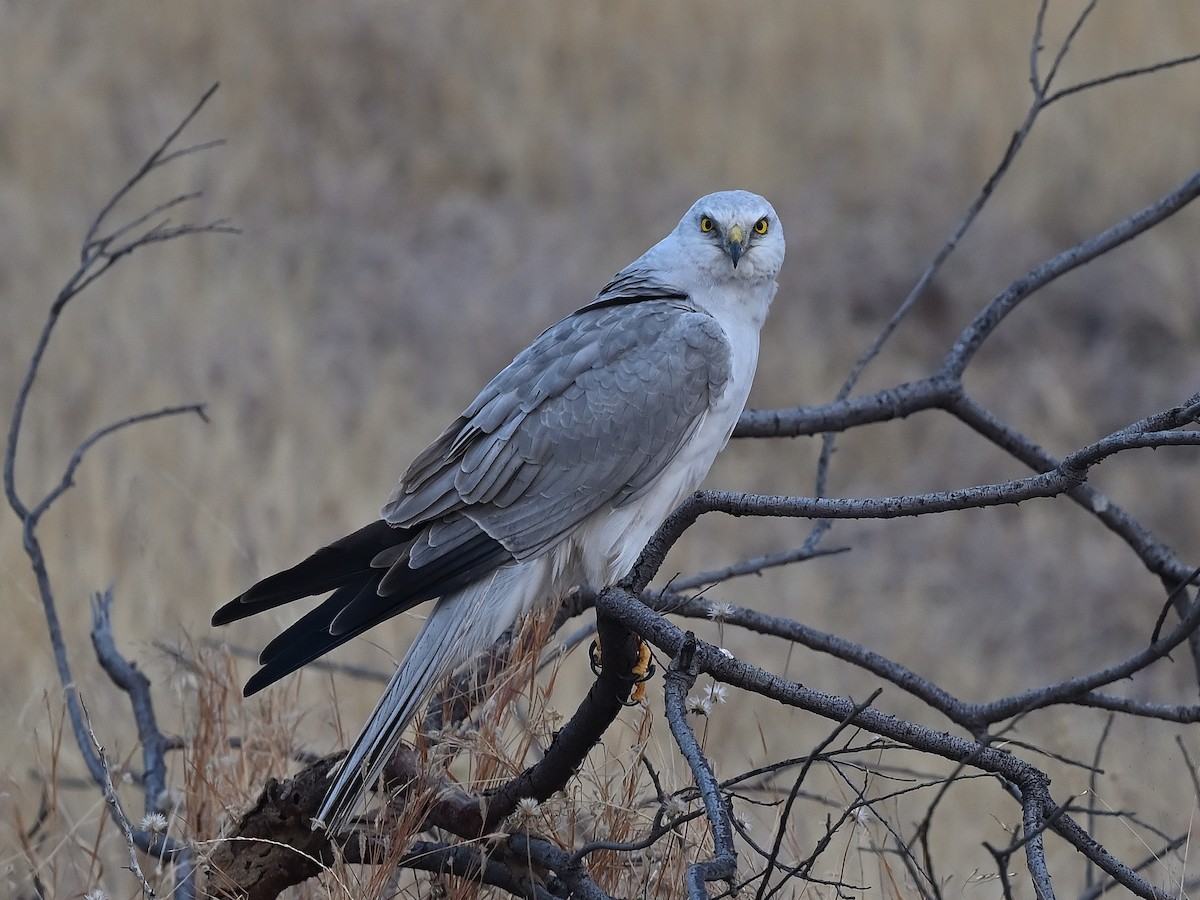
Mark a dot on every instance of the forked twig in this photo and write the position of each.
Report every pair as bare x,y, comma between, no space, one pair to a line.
100,251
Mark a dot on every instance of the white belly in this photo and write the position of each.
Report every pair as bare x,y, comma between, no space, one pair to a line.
604,548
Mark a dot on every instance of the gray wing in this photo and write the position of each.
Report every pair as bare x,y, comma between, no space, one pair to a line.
588,415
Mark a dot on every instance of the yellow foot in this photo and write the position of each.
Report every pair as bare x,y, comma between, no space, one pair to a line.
643,670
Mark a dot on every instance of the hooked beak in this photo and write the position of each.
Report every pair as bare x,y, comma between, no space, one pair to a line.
735,243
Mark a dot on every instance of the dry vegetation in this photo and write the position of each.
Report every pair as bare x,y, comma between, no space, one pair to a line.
423,186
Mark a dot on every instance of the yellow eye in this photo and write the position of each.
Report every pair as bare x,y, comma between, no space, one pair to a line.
761,226
706,224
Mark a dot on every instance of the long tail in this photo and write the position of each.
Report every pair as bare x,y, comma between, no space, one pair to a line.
483,590
460,627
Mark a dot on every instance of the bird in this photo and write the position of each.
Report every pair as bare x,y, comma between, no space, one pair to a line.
553,478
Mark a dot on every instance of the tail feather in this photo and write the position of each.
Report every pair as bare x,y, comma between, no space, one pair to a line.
437,578
317,620
460,627
433,656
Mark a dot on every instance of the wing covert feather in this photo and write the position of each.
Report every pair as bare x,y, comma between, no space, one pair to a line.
589,414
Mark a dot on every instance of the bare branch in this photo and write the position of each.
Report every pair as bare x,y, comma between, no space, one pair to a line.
784,817
1063,49
1154,858
1154,554
883,406
68,477
1184,714
986,322
573,875
723,864
1066,476
807,636
753,566
96,258
462,860
153,161
126,675
1035,49
571,744
98,248
1031,783
1121,76
98,254
114,806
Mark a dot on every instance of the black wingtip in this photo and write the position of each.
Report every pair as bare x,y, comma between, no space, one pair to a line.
356,603
345,561
257,682
232,611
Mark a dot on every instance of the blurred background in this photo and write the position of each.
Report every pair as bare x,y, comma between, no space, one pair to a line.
423,187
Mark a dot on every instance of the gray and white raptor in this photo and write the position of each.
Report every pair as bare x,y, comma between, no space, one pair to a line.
554,477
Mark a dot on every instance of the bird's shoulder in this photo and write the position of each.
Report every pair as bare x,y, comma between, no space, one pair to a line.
655,332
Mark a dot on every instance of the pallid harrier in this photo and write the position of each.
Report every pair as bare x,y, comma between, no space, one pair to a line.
555,476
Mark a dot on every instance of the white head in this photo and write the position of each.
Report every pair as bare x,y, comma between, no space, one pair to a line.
730,236
724,254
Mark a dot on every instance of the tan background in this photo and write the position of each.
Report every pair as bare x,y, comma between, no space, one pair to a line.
422,187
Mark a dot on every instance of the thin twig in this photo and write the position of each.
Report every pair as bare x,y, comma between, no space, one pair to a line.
986,322
785,814
753,566
1120,76
114,806
68,477
1093,778
153,161
1063,49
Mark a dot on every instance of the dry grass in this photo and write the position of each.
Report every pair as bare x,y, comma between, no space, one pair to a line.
424,186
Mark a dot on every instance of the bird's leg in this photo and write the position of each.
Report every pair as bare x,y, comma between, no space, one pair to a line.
643,670
594,657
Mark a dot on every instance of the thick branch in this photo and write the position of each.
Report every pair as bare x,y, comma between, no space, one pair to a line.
283,813
898,402
599,709
126,675
1153,553
723,864
974,717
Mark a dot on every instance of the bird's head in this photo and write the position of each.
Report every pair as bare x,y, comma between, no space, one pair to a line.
732,235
